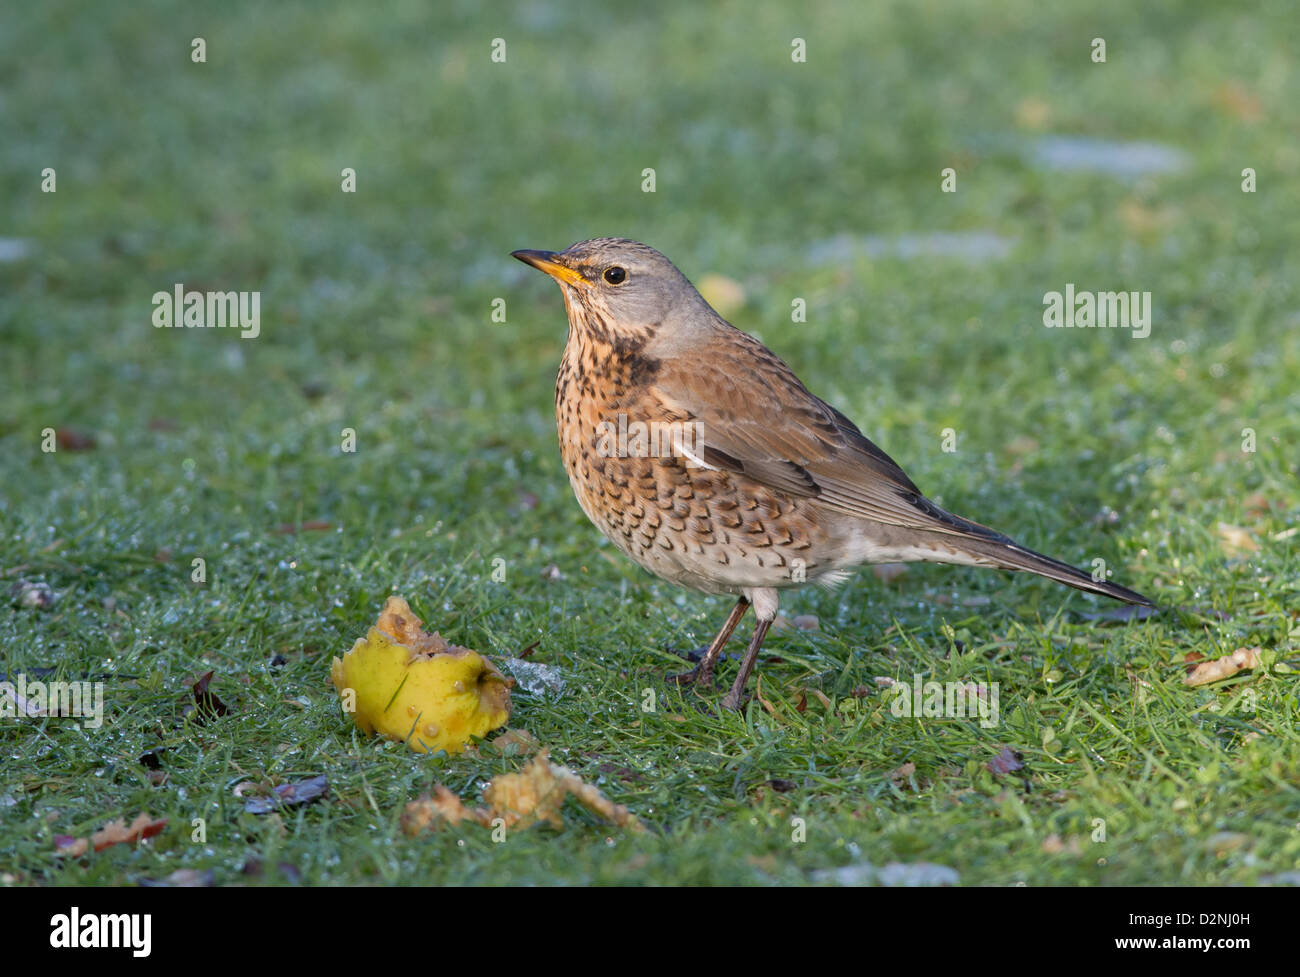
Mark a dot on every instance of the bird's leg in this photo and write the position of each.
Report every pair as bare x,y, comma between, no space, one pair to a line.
732,701
702,674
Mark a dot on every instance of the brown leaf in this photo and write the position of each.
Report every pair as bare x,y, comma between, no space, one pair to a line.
310,526
1007,761
33,593
901,776
288,795
1221,668
115,832
207,705
516,742
1236,541
523,799
73,439
1234,99
1055,845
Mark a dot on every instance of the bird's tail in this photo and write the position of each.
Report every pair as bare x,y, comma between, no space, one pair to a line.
1011,556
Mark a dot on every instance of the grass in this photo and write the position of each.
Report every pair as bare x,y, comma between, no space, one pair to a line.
376,316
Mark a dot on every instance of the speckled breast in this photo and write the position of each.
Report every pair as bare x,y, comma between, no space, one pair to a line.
713,531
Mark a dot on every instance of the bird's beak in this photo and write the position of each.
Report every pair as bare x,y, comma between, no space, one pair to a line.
546,261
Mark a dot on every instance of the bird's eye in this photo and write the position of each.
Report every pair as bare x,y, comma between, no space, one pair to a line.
615,275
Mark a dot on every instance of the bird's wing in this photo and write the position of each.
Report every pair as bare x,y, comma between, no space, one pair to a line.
753,416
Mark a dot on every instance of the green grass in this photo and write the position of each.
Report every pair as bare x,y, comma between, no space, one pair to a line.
376,316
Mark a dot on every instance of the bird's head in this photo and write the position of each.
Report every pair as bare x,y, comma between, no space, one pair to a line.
621,289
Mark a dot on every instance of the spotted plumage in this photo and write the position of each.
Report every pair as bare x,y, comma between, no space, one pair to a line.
746,483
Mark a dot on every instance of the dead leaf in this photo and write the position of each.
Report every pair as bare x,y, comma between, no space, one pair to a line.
523,799
310,526
516,742
900,776
1234,99
758,694
1221,668
1055,845
1007,761
207,705
1023,445
33,593
1032,112
1236,541
115,832
74,439
288,795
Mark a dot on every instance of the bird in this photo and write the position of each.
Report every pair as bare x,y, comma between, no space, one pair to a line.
697,451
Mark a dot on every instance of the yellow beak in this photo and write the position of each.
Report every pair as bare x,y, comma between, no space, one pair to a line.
545,261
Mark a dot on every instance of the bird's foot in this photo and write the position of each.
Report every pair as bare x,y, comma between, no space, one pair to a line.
733,701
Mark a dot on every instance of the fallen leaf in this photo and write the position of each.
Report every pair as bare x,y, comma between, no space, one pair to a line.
115,832
1023,445
207,705
73,439
758,694
1234,99
33,593
1220,668
516,742
533,795
288,795
1055,845
310,526
1032,112
900,776
1236,541
1007,761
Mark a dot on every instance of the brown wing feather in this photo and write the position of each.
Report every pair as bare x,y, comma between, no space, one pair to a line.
794,441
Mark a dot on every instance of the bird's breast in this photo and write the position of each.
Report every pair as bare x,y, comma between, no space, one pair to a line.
629,460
